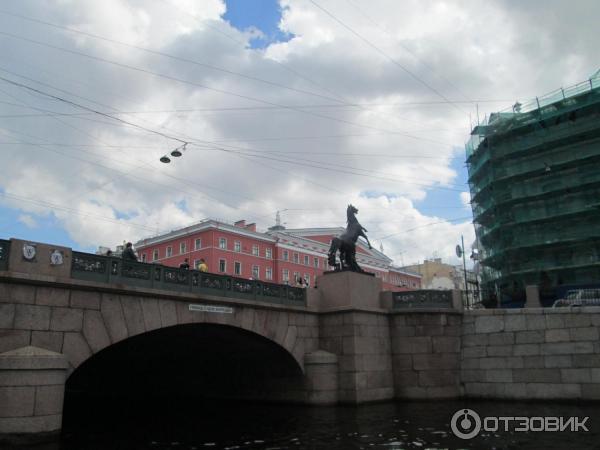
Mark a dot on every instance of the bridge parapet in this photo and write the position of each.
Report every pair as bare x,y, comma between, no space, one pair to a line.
46,260
4,254
115,270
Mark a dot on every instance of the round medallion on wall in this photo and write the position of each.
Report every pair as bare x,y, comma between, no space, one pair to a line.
56,258
29,252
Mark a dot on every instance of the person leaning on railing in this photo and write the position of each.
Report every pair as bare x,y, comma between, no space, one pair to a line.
203,267
128,253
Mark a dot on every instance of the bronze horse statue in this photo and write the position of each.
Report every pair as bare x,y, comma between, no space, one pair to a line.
346,243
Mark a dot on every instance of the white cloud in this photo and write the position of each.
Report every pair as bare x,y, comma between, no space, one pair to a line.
28,220
251,158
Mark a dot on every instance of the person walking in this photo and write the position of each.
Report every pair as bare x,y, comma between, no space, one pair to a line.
185,264
202,267
128,253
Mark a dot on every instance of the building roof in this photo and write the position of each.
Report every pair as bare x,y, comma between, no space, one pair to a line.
203,226
300,238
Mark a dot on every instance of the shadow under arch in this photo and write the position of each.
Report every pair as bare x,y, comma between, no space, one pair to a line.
190,360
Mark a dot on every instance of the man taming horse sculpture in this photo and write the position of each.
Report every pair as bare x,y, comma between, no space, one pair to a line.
346,243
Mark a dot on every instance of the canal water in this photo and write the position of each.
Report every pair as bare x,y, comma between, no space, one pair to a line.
200,424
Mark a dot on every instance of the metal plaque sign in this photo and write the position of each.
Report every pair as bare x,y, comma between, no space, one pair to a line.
211,309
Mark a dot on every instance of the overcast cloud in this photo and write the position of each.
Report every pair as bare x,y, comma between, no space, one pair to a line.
306,140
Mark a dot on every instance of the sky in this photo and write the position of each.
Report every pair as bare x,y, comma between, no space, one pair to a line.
297,106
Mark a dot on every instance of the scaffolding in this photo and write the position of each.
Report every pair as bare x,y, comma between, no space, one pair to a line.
534,177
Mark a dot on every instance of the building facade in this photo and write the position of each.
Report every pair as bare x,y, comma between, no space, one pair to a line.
280,255
534,176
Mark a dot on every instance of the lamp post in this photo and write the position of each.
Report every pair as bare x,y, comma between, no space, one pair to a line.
460,251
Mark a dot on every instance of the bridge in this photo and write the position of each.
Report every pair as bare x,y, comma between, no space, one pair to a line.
77,322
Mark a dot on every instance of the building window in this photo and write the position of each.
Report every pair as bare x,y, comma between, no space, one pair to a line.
143,257
222,265
296,258
169,251
269,273
255,250
306,260
285,255
182,248
255,272
316,262
196,263
155,255
198,244
307,279
237,268
237,246
286,275
296,276
223,243
268,253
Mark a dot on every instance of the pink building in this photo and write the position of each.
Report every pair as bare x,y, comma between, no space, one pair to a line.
279,256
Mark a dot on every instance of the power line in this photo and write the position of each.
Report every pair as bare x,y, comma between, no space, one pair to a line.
381,27
100,113
313,182
291,152
221,91
166,55
243,44
351,170
423,226
309,163
384,54
54,206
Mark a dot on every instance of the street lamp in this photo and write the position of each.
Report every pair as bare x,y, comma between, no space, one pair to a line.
460,251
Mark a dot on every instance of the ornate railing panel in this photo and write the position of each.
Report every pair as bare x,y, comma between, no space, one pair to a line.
178,279
422,299
242,288
105,269
90,267
4,254
210,281
272,290
296,296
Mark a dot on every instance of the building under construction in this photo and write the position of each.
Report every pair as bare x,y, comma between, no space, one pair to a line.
534,176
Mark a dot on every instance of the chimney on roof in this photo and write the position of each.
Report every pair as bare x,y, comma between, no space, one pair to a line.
251,227
240,223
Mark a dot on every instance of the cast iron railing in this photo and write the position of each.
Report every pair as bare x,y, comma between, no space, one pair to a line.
4,253
422,299
114,270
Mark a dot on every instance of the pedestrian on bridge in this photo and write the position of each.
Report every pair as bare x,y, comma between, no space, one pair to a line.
128,253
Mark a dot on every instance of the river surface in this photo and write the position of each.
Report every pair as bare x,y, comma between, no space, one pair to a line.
201,424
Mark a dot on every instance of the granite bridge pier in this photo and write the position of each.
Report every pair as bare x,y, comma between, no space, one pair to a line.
77,321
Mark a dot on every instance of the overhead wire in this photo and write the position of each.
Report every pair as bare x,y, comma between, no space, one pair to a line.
218,90
446,221
407,49
167,55
385,55
297,161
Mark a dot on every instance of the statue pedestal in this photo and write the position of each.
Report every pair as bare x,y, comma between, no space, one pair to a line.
355,329
349,290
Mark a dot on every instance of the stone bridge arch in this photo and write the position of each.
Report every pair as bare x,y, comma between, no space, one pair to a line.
115,318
